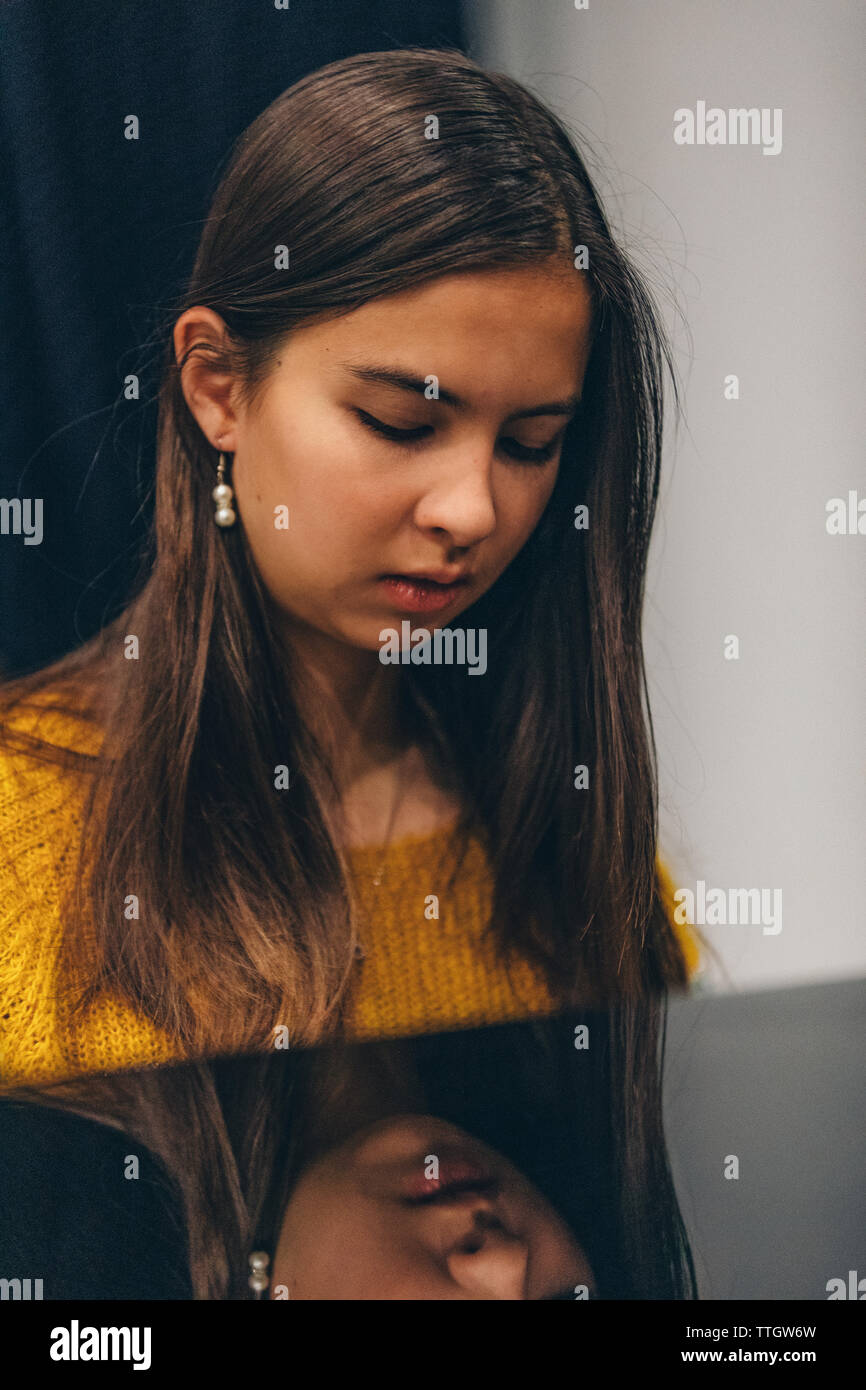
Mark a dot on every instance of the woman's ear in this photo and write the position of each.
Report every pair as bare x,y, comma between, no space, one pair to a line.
208,392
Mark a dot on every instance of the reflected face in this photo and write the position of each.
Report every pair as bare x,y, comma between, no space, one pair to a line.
383,478
414,1208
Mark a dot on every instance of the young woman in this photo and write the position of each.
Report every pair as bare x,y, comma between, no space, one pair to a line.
413,391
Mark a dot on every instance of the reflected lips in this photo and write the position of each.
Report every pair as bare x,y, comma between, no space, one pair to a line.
457,1179
419,594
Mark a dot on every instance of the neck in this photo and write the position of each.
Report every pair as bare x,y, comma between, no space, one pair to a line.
390,779
349,699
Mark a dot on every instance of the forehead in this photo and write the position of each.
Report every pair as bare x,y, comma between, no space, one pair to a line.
486,334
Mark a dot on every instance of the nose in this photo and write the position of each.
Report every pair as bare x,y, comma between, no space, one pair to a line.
459,501
489,1261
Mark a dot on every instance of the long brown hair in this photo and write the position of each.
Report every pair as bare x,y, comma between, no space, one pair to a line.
246,911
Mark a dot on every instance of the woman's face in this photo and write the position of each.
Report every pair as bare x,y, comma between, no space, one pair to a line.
508,350
414,1208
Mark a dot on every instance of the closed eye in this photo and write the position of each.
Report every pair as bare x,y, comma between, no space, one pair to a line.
522,453
391,431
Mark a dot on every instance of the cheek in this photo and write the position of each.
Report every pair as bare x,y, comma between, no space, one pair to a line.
543,490
557,1256
293,456
339,1249
303,495
521,506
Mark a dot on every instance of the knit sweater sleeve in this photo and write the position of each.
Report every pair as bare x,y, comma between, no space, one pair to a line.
35,849
41,805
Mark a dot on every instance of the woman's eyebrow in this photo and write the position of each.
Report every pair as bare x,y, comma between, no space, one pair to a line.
405,381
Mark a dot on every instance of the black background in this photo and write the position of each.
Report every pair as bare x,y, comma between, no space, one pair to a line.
96,230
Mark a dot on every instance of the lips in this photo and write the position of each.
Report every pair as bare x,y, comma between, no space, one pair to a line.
414,594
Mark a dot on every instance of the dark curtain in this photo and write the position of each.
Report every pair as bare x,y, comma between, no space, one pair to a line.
95,230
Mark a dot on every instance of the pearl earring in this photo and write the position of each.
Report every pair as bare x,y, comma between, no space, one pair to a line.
258,1280
222,494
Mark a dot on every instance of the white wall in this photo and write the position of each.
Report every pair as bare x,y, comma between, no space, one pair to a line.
762,759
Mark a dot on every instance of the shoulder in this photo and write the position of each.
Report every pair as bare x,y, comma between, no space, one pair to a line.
48,751
56,716
47,748
44,737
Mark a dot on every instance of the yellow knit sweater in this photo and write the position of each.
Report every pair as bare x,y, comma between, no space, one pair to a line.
417,975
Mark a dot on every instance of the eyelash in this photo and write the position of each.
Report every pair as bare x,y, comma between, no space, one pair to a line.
521,453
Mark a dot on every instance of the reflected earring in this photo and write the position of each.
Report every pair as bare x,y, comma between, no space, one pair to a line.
258,1280
222,494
